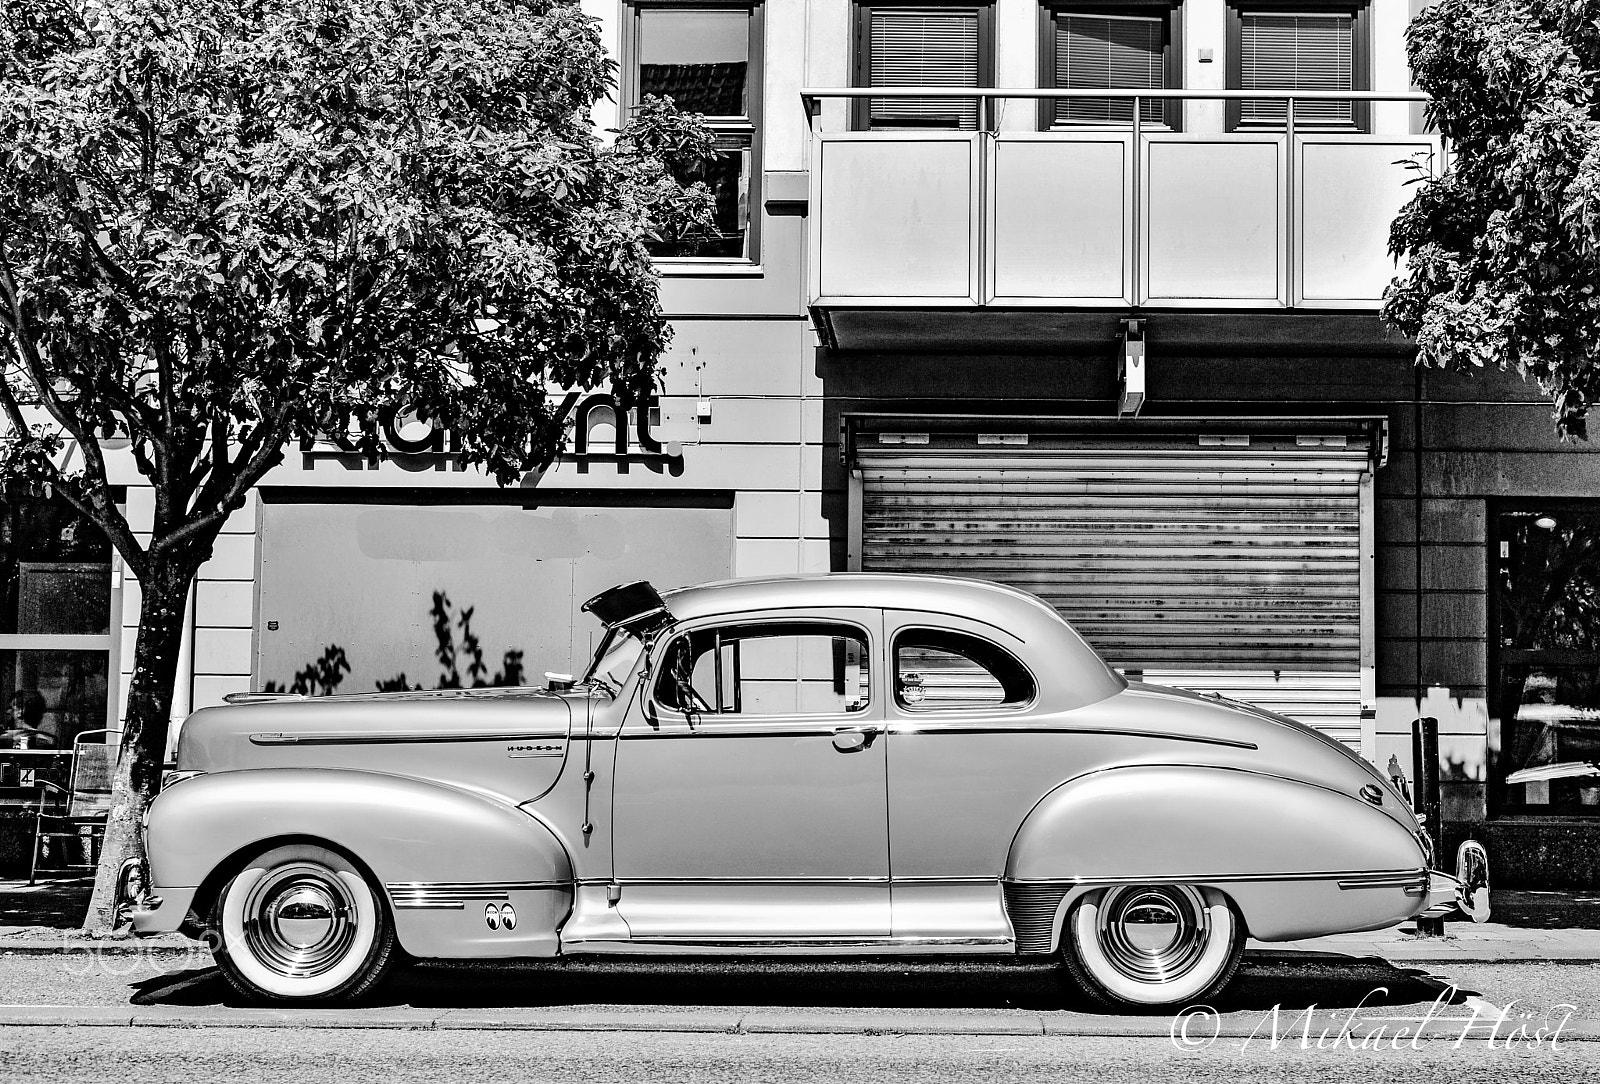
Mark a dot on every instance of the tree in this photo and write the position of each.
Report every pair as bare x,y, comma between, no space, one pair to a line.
1502,247
227,225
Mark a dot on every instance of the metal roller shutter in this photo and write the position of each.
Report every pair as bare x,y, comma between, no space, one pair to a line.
1224,563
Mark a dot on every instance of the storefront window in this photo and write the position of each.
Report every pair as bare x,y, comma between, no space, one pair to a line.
1545,613
55,624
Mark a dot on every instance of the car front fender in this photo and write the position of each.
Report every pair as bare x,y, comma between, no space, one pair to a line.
440,854
1297,859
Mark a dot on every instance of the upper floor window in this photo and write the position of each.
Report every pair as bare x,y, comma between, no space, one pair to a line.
781,668
911,45
707,59
1129,46
1275,46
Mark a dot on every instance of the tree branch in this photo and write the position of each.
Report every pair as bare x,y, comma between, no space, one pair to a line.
78,216
93,502
245,470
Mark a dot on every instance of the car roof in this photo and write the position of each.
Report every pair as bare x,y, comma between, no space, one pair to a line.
1068,671
1023,615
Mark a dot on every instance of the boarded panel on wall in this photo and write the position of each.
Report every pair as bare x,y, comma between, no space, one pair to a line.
1232,567
365,578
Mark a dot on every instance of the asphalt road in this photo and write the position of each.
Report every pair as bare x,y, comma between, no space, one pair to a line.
178,979
131,1056
448,1023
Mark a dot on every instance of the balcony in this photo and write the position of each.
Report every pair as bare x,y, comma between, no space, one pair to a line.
1100,221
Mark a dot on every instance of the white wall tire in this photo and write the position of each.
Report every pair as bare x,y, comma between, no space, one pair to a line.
301,924
1152,945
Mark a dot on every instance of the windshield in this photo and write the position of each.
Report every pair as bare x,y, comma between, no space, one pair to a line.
613,660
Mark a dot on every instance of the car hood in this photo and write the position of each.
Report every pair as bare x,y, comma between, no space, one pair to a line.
348,730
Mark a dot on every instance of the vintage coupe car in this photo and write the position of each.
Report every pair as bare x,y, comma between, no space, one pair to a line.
827,765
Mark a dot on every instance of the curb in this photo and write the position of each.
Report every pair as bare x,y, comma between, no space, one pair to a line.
1321,1030
1447,951
42,946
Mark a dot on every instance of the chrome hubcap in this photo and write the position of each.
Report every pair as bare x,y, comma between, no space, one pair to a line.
301,920
303,916
1153,933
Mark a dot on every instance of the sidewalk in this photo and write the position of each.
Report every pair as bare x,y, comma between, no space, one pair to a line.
1464,942
1528,927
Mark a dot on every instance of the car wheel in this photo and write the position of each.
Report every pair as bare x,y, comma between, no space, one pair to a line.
1152,945
301,924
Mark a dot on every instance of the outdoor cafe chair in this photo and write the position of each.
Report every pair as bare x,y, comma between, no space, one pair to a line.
79,831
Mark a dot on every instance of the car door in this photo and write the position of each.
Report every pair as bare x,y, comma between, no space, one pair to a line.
750,801
966,762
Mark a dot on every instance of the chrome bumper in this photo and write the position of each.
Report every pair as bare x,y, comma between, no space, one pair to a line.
161,912
1444,893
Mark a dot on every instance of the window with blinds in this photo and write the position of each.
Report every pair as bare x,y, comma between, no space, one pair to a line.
1281,50
1095,50
922,47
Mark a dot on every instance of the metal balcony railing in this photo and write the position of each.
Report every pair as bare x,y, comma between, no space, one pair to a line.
1288,215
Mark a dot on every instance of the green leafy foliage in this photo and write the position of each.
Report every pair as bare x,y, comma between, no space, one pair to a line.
224,225
1501,249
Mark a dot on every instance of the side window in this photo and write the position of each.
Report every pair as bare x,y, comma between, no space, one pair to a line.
939,670
789,668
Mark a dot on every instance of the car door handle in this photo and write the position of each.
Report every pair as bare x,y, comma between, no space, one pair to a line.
854,738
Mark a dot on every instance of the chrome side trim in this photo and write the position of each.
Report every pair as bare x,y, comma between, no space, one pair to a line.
1347,878
831,941
398,737
704,730
1415,884
782,942
746,880
713,730
401,903
454,895
1034,728
992,880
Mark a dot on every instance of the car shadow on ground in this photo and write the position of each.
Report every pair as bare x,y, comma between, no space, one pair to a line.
1290,982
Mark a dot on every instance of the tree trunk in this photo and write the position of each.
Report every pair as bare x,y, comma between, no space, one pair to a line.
164,596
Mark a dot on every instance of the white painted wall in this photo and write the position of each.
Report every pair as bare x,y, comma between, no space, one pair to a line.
607,113
1205,28
1386,22
1016,61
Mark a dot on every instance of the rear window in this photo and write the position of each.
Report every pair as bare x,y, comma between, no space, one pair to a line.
941,670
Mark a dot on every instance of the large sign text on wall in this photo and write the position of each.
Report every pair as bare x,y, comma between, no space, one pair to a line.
416,444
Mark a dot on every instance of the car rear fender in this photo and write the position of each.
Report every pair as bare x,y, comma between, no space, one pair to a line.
440,853
1296,859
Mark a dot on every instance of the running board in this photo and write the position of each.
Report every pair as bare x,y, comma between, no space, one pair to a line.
790,946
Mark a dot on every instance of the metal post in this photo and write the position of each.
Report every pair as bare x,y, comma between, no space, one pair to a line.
1425,799
1136,295
1291,221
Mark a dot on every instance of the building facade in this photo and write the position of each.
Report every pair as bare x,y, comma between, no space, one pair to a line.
1120,350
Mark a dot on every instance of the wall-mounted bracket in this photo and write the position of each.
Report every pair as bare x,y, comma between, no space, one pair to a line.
1130,369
